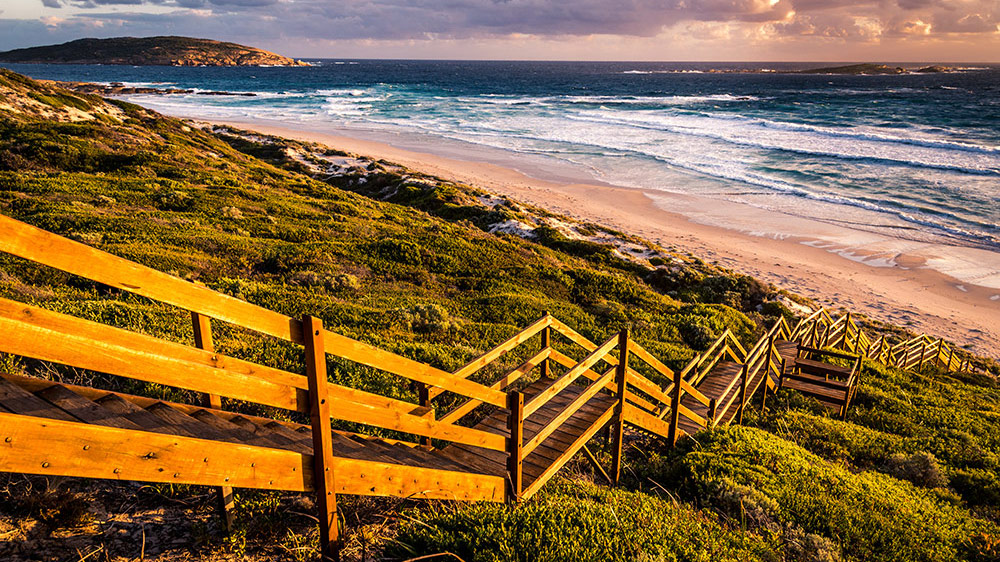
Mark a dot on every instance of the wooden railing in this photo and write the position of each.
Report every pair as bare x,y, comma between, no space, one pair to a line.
821,330
613,368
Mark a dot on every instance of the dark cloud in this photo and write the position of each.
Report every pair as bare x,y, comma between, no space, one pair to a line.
268,21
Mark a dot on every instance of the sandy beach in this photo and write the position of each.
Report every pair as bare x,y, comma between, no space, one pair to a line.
837,267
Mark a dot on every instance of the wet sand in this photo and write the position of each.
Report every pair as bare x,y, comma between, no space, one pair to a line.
896,284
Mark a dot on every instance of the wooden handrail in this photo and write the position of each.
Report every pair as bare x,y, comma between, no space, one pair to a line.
567,411
34,244
569,362
523,369
567,378
650,360
485,359
50,336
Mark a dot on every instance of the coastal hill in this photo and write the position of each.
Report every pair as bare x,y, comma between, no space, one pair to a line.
872,69
441,272
149,51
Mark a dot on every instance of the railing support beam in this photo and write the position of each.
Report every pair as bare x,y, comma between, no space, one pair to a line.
621,374
322,438
515,460
546,343
744,375
424,398
203,340
675,408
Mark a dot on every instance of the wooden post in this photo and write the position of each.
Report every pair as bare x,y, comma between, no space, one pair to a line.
619,424
744,374
923,355
546,343
845,343
951,356
322,437
767,372
515,425
203,340
675,408
781,377
424,396
713,406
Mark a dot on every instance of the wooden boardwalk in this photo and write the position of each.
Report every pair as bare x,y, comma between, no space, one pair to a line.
499,441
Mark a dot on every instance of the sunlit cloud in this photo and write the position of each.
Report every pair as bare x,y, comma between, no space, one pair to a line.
722,26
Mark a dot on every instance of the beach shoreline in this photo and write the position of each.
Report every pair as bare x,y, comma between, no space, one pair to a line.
887,282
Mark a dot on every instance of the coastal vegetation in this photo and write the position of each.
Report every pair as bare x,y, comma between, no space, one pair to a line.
440,272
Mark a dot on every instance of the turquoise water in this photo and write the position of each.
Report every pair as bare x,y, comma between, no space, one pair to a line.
913,156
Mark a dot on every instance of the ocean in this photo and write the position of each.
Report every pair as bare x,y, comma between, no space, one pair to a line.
914,156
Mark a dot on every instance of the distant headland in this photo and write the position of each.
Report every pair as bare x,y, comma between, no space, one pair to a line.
869,68
149,51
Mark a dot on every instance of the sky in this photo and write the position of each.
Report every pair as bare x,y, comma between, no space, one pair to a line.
656,30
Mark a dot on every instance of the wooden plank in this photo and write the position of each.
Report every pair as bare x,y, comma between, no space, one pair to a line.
319,414
20,401
56,447
531,428
693,392
492,355
567,378
368,478
83,409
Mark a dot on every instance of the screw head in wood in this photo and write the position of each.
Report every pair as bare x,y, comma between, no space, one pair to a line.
7,440
45,465
86,447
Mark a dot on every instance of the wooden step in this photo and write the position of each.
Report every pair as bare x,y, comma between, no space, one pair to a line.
84,409
818,380
814,367
821,393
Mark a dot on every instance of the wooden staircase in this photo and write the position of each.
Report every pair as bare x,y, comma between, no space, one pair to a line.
830,384
461,439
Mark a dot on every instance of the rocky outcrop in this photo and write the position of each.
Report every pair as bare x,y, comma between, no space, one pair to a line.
149,51
858,69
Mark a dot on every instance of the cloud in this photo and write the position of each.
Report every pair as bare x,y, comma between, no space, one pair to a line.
273,22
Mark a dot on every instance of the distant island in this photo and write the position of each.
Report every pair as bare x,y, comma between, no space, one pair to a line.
869,68
149,51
